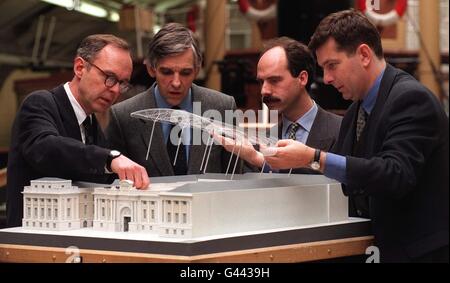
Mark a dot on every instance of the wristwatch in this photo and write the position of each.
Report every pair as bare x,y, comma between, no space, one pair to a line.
315,164
112,155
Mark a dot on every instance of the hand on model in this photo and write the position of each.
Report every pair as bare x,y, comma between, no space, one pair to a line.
290,154
247,151
129,170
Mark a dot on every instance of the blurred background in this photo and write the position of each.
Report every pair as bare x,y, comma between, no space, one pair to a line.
38,40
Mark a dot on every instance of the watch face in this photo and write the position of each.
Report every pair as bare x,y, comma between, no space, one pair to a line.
315,165
115,153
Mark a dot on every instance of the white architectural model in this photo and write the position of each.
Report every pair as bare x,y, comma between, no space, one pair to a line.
186,206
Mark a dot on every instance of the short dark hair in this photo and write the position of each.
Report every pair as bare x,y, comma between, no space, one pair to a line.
299,57
173,39
91,45
350,29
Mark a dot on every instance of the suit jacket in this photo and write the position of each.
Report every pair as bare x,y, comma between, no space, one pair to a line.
46,142
131,135
401,163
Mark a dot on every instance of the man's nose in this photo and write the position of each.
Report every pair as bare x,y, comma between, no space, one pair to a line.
176,80
265,89
327,77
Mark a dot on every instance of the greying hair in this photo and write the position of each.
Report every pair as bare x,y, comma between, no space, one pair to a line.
91,45
171,40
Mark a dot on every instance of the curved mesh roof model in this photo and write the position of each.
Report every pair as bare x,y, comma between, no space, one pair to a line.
185,119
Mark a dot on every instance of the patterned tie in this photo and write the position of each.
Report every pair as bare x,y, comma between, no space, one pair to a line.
88,131
360,122
293,130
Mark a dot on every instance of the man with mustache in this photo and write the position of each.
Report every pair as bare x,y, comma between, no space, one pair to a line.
286,72
174,60
56,134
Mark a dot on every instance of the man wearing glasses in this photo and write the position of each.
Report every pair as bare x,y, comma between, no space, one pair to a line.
55,133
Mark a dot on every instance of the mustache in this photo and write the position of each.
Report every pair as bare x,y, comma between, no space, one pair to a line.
269,99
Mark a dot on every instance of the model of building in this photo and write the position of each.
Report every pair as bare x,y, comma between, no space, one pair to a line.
185,207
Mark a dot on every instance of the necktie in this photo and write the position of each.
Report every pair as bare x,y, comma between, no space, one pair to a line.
360,122
88,131
293,131
180,167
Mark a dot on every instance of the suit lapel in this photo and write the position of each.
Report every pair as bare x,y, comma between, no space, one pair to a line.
67,113
158,150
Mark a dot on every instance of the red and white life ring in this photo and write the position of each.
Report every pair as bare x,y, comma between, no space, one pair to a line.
383,19
255,14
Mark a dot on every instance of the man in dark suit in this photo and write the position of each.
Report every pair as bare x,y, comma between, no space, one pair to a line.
393,144
286,71
55,133
174,60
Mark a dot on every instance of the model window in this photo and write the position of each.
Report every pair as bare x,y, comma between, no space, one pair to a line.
68,212
49,213
144,202
169,202
176,202
35,212
145,213
184,203
153,214
56,213
103,211
177,218
152,203
85,210
28,211
184,218
169,218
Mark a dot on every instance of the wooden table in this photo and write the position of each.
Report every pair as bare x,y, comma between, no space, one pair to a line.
303,252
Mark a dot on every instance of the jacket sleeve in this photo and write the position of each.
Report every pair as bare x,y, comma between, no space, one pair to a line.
46,146
114,133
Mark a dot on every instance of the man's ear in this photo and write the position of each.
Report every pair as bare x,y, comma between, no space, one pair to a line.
303,78
151,71
365,54
79,66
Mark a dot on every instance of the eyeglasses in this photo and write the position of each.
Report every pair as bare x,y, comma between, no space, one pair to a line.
112,80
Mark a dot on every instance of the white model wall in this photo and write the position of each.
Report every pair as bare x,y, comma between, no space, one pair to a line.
247,210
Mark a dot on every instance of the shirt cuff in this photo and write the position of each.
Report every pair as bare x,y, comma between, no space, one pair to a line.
335,167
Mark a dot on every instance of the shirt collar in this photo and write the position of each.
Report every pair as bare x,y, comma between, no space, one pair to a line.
369,101
306,121
185,105
79,111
